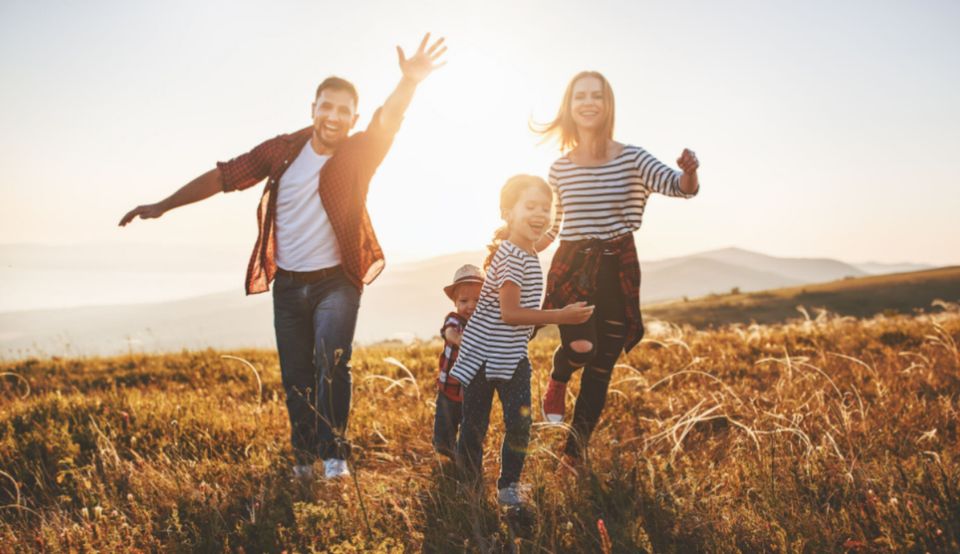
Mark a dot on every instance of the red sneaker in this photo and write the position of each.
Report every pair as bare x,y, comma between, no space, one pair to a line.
553,401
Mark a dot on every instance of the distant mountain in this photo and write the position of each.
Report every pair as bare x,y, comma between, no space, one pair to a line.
127,257
902,293
223,320
698,276
407,301
877,268
803,270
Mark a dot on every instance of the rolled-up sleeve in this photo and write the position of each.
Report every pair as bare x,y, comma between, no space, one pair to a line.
248,169
365,151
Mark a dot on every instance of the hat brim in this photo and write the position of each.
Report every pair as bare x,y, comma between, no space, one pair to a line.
450,289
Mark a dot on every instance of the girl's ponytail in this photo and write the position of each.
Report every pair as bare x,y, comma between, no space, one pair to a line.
500,235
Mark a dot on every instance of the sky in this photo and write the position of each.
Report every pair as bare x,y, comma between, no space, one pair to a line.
826,129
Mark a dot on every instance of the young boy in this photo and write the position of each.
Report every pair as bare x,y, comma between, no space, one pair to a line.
464,292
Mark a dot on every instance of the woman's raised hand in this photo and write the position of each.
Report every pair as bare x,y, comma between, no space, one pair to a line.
424,61
688,161
571,314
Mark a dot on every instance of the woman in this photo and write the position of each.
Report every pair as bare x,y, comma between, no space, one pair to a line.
602,188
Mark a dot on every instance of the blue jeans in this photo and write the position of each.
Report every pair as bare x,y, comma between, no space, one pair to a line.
315,323
477,401
446,423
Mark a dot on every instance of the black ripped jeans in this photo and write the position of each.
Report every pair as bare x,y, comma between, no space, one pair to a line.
605,332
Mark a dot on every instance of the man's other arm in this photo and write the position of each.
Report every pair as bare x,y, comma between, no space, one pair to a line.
201,188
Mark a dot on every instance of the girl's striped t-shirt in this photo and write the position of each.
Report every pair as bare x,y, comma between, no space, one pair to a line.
606,201
487,341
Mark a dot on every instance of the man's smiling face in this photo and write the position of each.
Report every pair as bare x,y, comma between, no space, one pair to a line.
334,115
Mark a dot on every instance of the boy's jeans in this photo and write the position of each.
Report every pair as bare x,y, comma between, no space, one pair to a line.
477,401
315,323
446,423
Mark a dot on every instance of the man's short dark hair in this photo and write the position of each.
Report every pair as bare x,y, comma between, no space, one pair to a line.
338,83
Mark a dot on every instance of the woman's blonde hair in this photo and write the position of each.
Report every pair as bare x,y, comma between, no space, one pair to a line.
509,196
564,129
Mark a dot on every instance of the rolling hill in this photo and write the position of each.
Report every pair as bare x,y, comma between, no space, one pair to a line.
858,297
407,302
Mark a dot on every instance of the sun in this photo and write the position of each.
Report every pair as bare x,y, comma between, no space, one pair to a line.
463,136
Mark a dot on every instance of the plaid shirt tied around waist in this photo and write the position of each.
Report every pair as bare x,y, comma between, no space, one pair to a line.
573,277
343,184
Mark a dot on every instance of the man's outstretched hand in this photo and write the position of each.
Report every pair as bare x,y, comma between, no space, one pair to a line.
424,61
147,211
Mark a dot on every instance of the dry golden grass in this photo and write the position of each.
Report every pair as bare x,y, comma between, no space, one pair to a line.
826,435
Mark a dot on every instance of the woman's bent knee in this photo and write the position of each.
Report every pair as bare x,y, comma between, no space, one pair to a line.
581,346
579,352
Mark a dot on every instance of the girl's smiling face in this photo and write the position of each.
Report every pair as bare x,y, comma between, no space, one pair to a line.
530,217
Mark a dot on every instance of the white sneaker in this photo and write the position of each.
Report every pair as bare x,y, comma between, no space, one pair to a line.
335,468
511,495
303,473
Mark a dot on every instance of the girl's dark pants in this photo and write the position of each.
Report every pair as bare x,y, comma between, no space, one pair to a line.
477,401
605,330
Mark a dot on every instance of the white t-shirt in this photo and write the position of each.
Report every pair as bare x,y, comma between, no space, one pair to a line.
305,238
487,341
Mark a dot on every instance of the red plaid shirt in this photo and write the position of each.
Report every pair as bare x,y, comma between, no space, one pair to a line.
344,180
573,277
446,383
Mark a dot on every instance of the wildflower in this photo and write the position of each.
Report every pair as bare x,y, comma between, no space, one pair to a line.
605,543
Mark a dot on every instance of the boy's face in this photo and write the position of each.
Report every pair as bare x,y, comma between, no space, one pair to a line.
465,298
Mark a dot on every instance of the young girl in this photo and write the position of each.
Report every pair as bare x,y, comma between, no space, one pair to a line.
602,188
493,350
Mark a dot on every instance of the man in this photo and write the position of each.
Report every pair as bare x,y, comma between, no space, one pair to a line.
317,241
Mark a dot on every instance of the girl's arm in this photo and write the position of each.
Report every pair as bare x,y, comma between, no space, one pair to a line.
513,314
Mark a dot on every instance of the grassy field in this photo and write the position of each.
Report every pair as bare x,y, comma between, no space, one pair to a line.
825,435
902,293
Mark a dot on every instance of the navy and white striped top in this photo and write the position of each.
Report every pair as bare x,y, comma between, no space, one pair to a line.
487,339
606,201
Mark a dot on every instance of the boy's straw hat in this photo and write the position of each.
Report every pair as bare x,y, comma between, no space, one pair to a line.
466,274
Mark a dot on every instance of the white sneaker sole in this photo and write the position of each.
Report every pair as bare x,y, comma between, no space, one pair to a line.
550,418
339,471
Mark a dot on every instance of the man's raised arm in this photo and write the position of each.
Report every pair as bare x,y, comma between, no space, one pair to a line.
415,69
198,189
